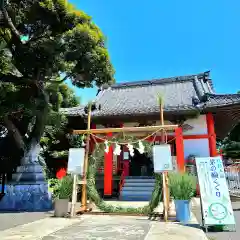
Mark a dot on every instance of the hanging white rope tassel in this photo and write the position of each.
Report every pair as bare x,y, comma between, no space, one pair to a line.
106,150
117,150
131,150
141,147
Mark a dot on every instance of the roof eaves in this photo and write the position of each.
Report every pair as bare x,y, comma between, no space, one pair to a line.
218,100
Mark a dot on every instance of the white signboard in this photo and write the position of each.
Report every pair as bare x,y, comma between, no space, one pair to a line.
125,155
216,203
162,158
76,161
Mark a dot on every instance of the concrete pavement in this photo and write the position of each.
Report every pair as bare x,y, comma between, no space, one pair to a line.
102,227
13,219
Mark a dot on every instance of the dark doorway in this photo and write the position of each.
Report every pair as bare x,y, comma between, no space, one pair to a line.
140,165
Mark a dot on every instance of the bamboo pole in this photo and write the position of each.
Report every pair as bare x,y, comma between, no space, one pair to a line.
85,167
164,174
125,129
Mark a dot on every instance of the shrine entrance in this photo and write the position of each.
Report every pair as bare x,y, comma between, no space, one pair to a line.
140,164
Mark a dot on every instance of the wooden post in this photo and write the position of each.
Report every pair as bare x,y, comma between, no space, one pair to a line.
164,174
74,195
84,186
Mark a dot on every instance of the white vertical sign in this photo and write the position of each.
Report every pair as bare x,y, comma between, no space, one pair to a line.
216,203
76,161
162,158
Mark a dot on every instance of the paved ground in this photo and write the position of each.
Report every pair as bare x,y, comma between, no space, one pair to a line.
105,227
224,235
10,220
92,227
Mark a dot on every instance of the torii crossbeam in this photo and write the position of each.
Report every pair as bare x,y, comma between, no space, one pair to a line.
126,129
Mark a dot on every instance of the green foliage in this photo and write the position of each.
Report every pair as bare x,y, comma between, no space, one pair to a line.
43,43
62,188
182,186
55,140
231,149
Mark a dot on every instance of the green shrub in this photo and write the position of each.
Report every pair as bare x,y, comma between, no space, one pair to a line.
62,188
182,186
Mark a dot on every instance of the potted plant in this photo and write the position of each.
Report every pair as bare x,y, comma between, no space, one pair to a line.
182,189
62,193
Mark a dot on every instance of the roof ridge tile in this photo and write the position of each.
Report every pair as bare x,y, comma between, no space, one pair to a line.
159,81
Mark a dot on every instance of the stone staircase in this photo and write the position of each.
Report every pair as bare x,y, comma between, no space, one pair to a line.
137,189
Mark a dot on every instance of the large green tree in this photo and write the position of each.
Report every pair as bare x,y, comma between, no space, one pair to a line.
43,43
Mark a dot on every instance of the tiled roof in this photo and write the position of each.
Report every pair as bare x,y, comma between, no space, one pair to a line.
143,98
220,100
184,93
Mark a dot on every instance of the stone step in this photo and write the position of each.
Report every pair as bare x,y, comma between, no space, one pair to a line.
138,188
139,177
28,176
26,168
137,198
140,180
136,193
137,184
14,183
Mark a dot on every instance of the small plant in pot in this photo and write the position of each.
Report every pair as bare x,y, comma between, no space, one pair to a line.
62,193
182,189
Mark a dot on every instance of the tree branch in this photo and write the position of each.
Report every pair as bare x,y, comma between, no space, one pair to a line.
40,36
10,47
12,129
14,79
11,26
61,81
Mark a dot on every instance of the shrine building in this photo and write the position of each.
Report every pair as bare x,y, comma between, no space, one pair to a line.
202,116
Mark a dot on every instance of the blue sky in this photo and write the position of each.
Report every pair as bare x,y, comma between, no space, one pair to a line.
155,39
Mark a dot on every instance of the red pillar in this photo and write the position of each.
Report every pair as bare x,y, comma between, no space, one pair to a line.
179,149
211,135
108,170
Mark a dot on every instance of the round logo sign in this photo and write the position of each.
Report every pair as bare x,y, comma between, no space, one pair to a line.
218,211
